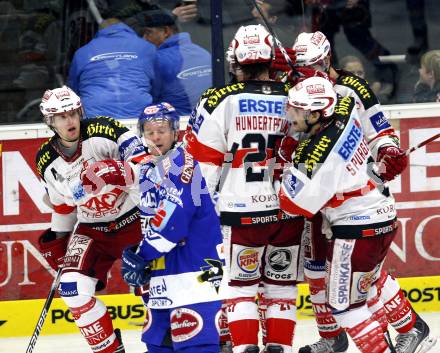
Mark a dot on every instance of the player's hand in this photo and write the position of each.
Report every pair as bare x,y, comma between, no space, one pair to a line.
106,172
135,270
392,162
52,248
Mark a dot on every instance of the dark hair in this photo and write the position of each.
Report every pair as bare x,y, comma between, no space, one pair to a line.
252,71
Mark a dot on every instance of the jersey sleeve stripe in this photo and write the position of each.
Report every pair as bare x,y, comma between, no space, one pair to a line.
63,208
292,208
203,153
338,199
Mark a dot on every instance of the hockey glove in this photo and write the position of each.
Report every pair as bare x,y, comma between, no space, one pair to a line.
279,63
52,249
392,160
106,172
135,270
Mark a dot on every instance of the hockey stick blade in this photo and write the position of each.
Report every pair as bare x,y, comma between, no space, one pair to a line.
44,313
274,36
423,143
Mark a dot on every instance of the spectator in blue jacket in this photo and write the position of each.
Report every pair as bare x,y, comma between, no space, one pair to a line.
183,69
113,74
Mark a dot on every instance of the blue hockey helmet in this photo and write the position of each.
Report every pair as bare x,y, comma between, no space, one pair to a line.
159,112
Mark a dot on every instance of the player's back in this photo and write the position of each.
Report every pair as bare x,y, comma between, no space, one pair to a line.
233,133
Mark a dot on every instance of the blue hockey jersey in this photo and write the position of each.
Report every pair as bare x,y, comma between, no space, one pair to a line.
181,233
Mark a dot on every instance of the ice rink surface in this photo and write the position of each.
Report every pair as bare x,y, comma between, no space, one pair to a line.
74,343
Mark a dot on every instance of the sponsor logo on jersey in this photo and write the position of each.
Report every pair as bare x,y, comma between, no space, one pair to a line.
43,161
118,55
259,220
76,251
386,209
358,218
343,106
280,259
68,289
248,260
379,122
195,71
317,156
103,127
163,214
340,286
267,106
264,198
215,98
358,86
188,168
101,204
185,324
347,146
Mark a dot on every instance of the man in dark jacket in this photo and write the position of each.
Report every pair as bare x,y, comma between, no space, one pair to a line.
113,73
183,69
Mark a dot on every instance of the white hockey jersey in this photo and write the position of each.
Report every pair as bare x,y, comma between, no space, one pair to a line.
232,133
377,130
101,138
332,171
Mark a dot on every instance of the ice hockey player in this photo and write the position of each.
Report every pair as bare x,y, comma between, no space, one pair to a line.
181,255
108,217
332,172
313,51
233,133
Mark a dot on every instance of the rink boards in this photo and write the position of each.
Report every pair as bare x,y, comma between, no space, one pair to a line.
18,318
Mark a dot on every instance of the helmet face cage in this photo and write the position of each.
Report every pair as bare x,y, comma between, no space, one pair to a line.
58,101
162,112
252,45
314,94
312,49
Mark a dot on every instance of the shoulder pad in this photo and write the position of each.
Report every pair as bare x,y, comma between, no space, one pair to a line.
45,155
360,87
217,95
344,107
102,126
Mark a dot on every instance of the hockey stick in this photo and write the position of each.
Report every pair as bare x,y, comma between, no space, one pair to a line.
44,313
275,37
421,144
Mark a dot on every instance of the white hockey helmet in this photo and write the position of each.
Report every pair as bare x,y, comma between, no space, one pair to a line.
311,48
314,94
57,101
252,44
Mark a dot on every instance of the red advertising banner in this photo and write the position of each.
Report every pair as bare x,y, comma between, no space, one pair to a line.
24,215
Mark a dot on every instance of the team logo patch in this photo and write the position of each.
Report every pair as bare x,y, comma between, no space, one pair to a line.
185,324
292,184
280,259
364,282
76,251
248,260
379,122
213,273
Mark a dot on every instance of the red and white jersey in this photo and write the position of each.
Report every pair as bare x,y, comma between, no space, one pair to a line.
101,138
377,130
332,171
232,133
